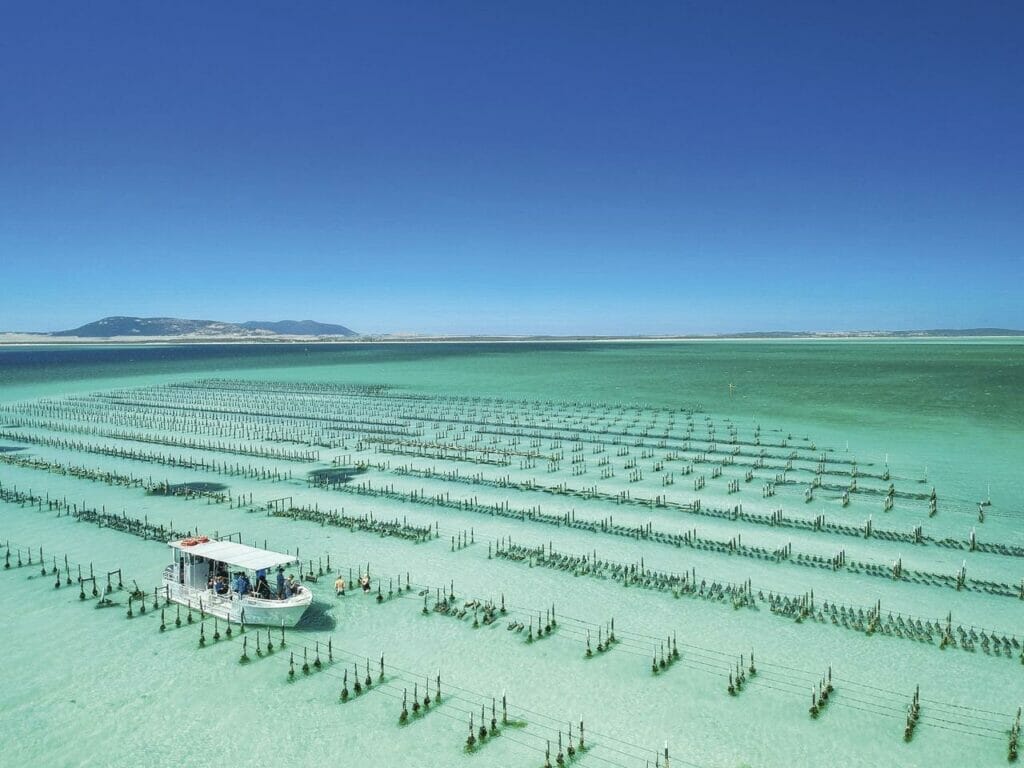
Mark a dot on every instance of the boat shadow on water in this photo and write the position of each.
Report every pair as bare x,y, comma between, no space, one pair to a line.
318,618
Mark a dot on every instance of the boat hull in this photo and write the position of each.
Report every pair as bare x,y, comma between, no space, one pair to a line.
274,613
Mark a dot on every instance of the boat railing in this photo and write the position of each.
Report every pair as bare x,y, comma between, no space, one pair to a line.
212,598
208,600
257,600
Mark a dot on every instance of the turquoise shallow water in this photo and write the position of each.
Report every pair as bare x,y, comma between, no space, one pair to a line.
945,415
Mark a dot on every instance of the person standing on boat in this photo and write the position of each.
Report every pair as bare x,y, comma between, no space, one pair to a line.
280,582
262,587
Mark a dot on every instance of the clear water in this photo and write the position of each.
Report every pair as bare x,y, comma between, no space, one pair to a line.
88,686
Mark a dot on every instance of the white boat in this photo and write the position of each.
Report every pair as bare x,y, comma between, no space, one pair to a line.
196,560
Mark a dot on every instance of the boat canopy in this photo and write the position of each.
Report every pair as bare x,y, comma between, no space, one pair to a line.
232,553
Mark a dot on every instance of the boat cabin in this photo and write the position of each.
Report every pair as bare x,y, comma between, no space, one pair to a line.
235,581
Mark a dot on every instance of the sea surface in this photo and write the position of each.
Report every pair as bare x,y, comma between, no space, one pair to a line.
560,480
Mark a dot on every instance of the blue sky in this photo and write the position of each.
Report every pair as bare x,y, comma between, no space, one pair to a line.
576,167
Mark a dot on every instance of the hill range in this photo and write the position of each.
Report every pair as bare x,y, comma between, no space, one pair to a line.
151,327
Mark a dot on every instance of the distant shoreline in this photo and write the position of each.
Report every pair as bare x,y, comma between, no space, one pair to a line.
28,339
